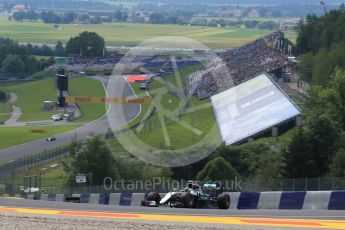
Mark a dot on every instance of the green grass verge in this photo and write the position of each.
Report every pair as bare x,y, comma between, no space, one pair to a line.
11,136
5,112
81,86
32,94
50,177
280,141
180,136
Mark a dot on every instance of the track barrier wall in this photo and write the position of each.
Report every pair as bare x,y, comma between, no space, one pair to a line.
311,200
317,200
292,200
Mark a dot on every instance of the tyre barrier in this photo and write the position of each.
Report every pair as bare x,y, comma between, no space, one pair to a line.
311,200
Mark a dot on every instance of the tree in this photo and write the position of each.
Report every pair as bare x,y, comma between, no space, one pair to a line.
299,157
87,44
267,25
84,18
95,159
68,18
50,17
96,20
132,168
98,160
3,96
306,66
324,131
337,83
19,16
217,169
337,167
325,62
120,16
59,49
316,33
250,24
269,165
313,148
12,66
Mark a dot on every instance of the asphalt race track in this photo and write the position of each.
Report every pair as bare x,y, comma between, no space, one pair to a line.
315,219
99,126
270,213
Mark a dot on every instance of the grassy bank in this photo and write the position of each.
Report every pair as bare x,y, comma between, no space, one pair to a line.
87,87
5,112
31,96
11,136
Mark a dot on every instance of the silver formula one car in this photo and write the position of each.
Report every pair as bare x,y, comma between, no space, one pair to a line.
193,196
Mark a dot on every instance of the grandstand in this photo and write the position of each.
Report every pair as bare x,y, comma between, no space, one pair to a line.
268,54
251,108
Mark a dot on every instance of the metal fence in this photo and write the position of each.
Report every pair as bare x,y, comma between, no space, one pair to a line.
301,184
306,184
34,160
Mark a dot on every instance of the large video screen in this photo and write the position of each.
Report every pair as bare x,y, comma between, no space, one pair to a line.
250,108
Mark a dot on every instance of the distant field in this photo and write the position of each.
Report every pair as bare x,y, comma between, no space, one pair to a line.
127,34
11,136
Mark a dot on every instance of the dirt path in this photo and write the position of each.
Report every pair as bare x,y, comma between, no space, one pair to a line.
16,111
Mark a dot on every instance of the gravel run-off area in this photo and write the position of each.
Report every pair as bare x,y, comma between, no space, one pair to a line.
10,221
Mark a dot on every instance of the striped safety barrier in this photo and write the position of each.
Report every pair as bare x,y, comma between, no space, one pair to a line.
313,200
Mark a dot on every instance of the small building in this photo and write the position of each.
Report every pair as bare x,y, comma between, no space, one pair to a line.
48,105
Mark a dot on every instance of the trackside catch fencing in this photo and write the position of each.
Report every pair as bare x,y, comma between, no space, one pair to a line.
300,184
49,185
34,160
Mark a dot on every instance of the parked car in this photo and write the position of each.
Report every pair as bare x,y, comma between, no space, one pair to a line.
57,117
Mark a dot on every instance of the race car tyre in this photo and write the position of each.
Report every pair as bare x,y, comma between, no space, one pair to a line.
223,201
188,200
154,196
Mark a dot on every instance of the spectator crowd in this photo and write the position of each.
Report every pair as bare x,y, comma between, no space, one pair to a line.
238,65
